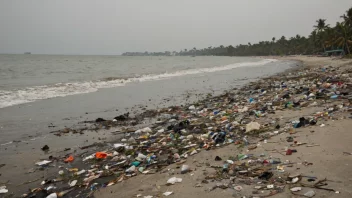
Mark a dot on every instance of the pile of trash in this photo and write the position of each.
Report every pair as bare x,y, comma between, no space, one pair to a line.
180,132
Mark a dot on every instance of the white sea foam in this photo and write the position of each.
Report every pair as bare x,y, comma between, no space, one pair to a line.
31,94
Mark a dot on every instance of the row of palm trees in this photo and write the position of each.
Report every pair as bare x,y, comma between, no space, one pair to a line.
321,39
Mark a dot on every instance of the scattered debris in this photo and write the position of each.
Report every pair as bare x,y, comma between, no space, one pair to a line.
3,190
167,193
174,180
296,189
238,118
45,148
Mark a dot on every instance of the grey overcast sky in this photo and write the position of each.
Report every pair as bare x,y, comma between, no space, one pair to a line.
116,26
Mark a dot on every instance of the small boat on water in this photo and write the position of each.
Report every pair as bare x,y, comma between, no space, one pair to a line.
27,53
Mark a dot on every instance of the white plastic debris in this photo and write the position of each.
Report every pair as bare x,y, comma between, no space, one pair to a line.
295,189
310,193
72,183
270,186
295,180
50,188
167,193
80,172
149,196
117,145
138,132
61,172
3,190
193,152
89,157
174,180
229,161
140,157
52,195
184,169
131,169
238,188
161,130
44,162
192,107
131,140
146,130
252,126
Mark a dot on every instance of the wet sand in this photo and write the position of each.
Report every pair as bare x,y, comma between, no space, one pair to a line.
26,126
327,157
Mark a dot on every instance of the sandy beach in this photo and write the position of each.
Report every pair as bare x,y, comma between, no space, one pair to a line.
326,154
323,150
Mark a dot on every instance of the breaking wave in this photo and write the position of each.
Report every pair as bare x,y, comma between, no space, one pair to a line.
31,94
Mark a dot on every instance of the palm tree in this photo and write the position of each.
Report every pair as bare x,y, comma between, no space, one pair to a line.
273,39
348,17
320,26
282,40
343,39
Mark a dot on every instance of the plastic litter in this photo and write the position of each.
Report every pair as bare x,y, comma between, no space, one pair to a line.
180,132
167,193
80,172
147,130
3,190
296,189
310,193
252,126
229,161
52,195
174,180
136,163
270,186
101,155
238,188
43,163
131,169
295,180
184,169
72,183
192,107
69,159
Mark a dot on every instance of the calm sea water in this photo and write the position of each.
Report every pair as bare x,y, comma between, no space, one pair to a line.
28,78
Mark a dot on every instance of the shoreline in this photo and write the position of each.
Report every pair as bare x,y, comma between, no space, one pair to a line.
212,98
192,184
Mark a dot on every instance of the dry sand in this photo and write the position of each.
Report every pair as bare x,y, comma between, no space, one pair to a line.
327,157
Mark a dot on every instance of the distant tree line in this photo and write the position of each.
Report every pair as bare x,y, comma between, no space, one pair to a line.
322,38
